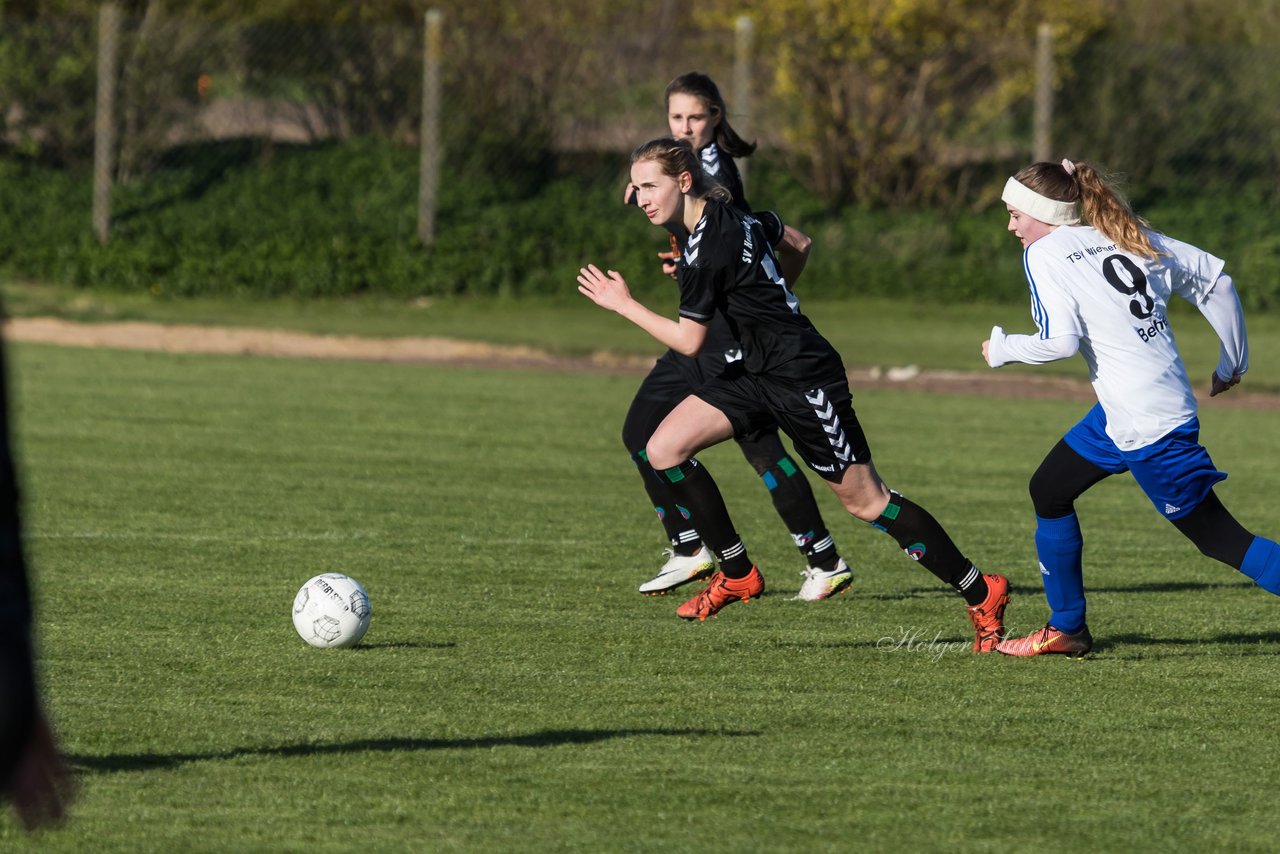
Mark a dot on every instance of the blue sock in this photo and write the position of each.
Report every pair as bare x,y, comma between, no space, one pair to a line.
1059,546
1262,564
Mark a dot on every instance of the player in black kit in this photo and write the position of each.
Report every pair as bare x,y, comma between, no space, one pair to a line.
696,112
789,374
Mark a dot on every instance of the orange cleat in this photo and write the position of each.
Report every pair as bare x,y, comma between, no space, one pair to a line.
722,591
988,618
1048,640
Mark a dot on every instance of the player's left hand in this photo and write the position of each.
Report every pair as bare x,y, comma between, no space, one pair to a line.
986,351
607,290
1217,385
669,259
669,262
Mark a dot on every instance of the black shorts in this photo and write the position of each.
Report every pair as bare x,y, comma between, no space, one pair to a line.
820,420
675,377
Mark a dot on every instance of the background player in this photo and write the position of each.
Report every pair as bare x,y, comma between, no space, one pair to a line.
789,375
696,112
1102,289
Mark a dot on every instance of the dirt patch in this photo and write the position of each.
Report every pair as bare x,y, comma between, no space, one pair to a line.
184,338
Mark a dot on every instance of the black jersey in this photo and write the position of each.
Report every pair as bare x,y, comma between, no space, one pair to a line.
721,169
728,266
721,345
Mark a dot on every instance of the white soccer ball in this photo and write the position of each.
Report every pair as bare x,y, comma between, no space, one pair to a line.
331,610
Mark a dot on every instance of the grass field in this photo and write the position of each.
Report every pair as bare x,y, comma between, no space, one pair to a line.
515,693
867,332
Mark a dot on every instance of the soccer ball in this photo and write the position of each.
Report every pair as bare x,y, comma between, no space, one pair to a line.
331,610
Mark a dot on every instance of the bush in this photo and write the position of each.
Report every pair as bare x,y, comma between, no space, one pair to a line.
257,219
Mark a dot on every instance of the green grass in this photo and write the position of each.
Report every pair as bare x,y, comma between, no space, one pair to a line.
515,693
867,332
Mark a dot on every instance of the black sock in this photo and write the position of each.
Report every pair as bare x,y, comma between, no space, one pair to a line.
674,518
687,549
694,488
819,550
793,499
926,541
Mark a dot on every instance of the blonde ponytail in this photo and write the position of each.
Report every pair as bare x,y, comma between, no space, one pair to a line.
1101,204
1103,207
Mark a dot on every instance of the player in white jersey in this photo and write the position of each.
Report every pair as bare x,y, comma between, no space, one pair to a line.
1101,281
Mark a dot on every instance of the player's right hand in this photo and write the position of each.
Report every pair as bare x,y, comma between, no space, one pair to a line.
607,290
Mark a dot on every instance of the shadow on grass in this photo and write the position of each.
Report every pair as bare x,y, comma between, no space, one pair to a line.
1153,587
1250,639
545,738
938,592
941,592
402,645
881,643
1164,587
1259,643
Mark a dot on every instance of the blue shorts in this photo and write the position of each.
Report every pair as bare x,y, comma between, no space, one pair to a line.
1175,471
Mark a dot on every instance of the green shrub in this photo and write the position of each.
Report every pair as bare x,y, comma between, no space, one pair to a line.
257,219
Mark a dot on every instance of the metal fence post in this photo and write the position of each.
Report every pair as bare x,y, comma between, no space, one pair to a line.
429,142
1042,137
104,120
744,32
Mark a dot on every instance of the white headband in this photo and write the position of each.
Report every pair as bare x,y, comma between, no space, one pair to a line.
1043,208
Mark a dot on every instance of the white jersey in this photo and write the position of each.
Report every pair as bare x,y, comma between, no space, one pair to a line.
1082,284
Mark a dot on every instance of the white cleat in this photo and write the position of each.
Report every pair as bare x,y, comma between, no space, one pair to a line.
820,584
679,570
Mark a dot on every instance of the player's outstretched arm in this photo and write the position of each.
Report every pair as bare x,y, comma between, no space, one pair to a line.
1001,348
